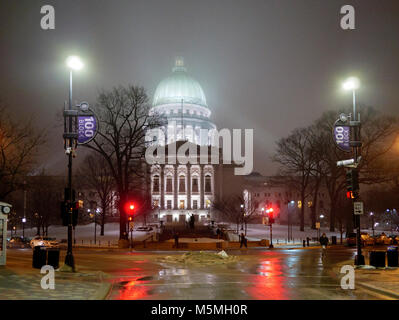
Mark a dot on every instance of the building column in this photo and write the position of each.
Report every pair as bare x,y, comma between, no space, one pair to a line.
202,186
162,186
175,187
189,186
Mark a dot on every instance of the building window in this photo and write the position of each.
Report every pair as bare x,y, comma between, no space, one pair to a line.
169,204
195,184
181,206
195,204
182,184
156,184
169,185
156,203
208,187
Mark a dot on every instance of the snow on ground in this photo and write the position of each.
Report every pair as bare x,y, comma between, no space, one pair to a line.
86,233
254,232
196,240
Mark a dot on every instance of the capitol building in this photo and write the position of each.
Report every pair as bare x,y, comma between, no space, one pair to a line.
179,191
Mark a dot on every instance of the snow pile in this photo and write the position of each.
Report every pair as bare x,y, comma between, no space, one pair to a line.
201,258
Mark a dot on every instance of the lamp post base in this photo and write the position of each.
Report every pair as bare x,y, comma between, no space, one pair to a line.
359,260
70,261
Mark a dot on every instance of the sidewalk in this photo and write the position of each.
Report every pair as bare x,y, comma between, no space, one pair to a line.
25,284
383,281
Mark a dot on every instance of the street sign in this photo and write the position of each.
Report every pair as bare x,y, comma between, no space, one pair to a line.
87,127
317,225
131,225
341,135
358,208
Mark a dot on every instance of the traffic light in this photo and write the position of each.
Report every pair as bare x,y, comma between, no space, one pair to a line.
352,183
130,209
65,212
270,213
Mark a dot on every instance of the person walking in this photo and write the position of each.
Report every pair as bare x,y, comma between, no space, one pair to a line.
324,242
243,241
176,236
218,233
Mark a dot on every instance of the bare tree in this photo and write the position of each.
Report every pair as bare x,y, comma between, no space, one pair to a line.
95,175
124,118
231,209
45,194
19,146
295,157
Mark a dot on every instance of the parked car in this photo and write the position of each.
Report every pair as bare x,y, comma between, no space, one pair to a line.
366,239
383,239
44,241
351,239
395,238
144,229
18,242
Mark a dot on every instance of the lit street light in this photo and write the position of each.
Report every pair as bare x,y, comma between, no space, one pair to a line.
73,63
372,222
23,227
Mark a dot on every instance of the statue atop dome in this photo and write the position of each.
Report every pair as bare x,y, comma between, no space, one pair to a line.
179,64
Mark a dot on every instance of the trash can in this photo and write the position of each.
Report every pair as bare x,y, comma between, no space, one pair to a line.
377,259
39,257
53,257
392,256
334,239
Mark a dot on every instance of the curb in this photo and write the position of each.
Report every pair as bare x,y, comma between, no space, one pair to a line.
384,292
104,290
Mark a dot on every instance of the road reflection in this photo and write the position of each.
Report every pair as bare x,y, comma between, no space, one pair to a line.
269,281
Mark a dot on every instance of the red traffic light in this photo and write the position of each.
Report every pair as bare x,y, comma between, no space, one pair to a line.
130,208
350,195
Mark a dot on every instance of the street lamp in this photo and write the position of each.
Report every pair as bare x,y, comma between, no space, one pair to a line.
23,227
372,222
74,64
242,224
289,229
352,84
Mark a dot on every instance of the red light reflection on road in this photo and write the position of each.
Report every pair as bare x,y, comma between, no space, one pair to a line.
268,282
131,290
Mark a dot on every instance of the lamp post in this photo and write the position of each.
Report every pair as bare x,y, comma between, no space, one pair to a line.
352,84
73,63
372,221
289,229
321,217
23,227
242,210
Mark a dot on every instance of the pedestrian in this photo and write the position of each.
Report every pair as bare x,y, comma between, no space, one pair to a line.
324,242
243,241
218,233
176,236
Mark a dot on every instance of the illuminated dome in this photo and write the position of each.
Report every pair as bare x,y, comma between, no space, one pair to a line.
179,86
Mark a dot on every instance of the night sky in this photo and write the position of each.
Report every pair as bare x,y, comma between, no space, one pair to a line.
268,65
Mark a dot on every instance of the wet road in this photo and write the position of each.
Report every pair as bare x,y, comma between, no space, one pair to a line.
257,274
